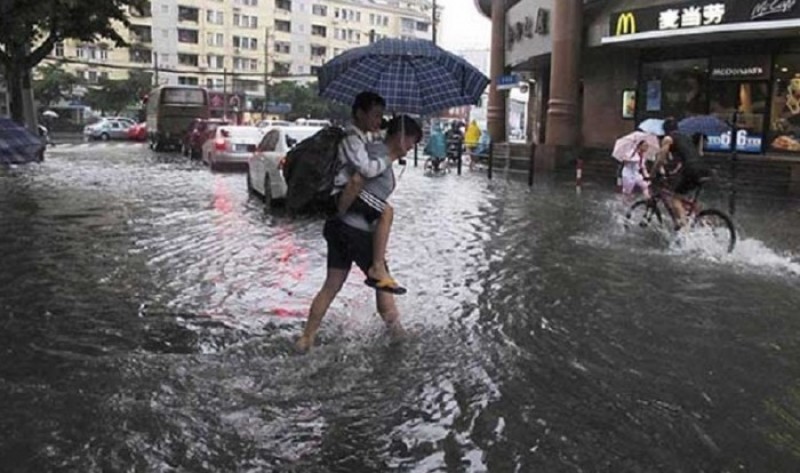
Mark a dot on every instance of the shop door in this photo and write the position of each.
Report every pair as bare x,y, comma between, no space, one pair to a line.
749,100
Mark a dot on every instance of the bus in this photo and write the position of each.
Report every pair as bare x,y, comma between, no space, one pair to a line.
170,111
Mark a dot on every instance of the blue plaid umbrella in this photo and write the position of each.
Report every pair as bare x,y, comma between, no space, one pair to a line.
414,76
708,125
17,144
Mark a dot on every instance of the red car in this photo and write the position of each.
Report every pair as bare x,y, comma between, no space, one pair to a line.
197,134
138,132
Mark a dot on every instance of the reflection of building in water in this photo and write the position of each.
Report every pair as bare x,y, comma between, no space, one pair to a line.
738,60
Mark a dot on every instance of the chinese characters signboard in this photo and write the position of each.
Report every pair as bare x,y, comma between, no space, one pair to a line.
700,14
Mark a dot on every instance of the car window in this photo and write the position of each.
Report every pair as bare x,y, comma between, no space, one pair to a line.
116,125
270,141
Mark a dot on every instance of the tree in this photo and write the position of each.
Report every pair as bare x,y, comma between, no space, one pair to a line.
30,29
54,84
306,102
116,95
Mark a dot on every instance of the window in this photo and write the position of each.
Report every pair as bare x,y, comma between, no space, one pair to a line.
244,64
188,14
188,80
318,30
215,62
247,3
315,70
283,25
103,54
244,42
141,34
215,17
281,68
407,24
385,21
188,60
319,10
140,55
318,51
270,141
79,52
59,49
785,104
187,36
215,39
283,5
91,76
336,13
423,26
104,76
283,47
141,11
214,84
242,85
673,88
245,21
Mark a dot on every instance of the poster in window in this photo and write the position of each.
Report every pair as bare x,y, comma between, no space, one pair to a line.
628,103
653,96
786,115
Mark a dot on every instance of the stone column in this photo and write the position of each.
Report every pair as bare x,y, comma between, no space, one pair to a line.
496,111
562,112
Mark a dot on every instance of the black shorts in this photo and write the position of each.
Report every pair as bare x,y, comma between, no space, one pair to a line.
347,245
367,205
690,179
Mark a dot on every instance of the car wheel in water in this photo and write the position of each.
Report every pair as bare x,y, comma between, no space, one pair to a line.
250,189
105,137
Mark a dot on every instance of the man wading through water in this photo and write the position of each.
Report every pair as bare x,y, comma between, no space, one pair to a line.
350,235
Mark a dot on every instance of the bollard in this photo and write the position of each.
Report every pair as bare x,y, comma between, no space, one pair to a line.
459,164
531,165
491,160
415,155
578,175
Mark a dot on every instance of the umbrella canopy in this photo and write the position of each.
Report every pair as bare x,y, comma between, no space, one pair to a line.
625,147
654,126
413,75
49,114
708,125
18,145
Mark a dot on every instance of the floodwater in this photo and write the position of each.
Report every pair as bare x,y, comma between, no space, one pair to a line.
148,310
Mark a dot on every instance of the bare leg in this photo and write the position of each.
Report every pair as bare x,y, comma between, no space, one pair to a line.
350,193
322,301
380,241
387,308
680,212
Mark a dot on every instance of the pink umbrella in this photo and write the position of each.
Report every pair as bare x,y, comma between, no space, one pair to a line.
625,147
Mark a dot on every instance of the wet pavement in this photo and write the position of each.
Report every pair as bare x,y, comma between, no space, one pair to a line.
148,309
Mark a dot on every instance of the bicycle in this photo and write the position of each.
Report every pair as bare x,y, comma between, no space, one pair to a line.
716,221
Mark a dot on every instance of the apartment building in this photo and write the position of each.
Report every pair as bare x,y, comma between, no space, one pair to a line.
238,44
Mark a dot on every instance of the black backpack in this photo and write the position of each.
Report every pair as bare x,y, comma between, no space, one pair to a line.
310,169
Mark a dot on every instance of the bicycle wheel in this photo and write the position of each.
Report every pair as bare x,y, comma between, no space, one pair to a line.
642,213
718,225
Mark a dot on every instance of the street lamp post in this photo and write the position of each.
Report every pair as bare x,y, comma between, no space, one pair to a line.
266,70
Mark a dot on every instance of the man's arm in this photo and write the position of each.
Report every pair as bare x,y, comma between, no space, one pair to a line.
663,155
355,154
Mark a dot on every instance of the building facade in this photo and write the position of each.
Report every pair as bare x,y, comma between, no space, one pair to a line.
239,45
738,60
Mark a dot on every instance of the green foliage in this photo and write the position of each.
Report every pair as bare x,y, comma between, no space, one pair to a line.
114,96
54,84
306,102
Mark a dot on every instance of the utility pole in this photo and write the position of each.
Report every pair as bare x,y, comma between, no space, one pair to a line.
266,72
155,62
435,21
224,94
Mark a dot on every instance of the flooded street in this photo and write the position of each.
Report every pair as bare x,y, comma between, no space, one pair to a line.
148,310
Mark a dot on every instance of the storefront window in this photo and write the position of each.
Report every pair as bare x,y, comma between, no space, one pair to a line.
673,88
785,114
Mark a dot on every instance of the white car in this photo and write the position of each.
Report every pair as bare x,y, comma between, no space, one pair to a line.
230,146
265,173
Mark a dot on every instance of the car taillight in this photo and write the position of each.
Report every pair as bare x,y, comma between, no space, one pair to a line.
220,144
282,163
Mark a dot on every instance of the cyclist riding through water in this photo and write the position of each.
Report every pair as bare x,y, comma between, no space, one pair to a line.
688,170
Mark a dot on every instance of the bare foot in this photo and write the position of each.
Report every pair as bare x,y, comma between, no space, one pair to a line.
396,331
304,344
